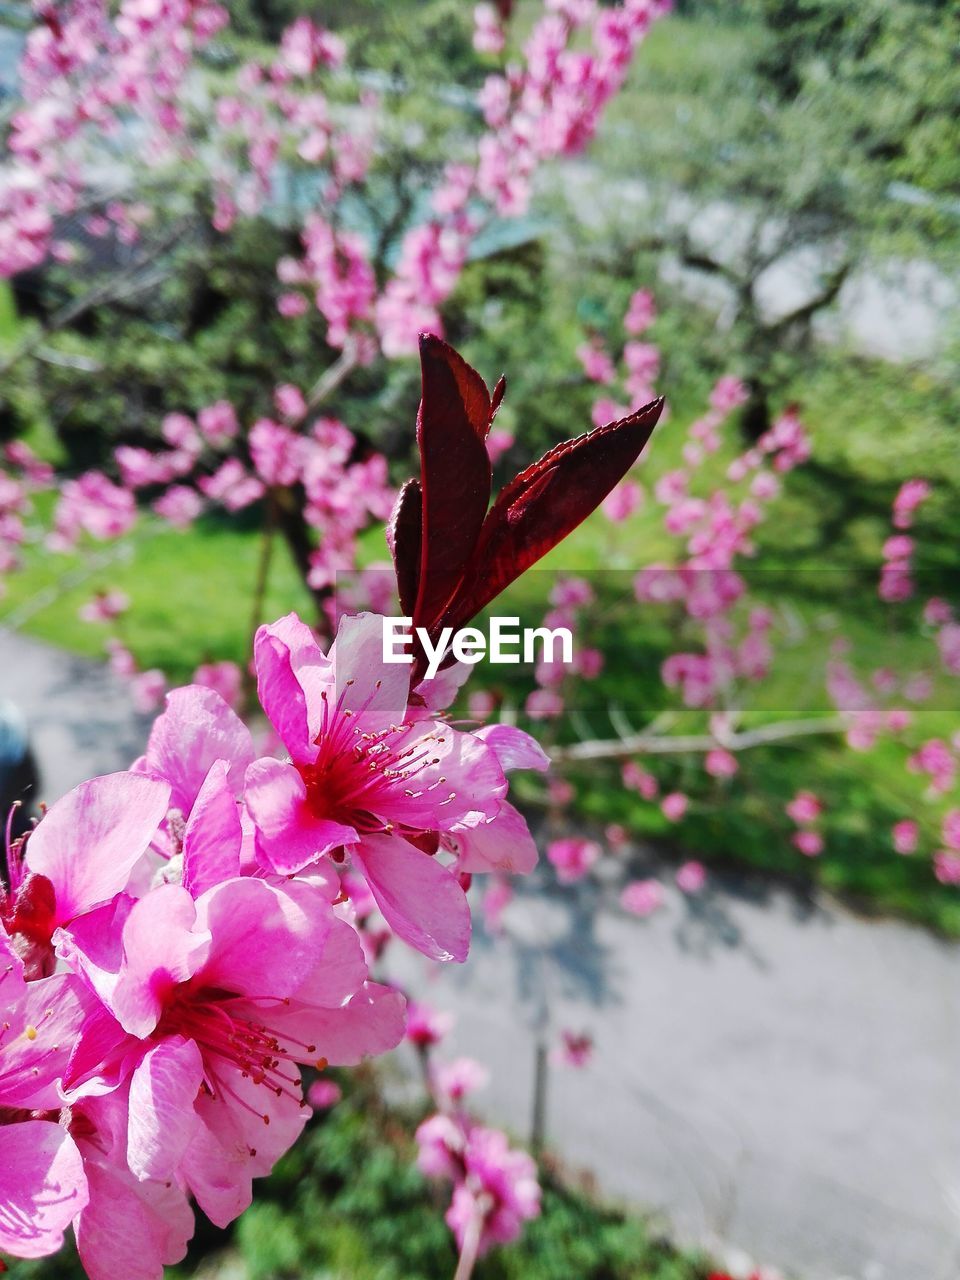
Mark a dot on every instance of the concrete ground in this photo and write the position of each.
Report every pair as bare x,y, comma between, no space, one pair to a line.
773,1075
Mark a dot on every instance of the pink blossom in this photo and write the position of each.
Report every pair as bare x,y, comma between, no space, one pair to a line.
276,452
290,305
573,857
641,312
909,497
616,836
180,506
544,704
575,1049
488,33
805,807
122,661
810,843
225,678
290,402
426,1026
937,612
498,442
84,851
728,394
94,505
105,606
218,423
596,362
560,791
496,898
605,410
639,779
674,806
324,1094
42,1181
233,991
950,831
453,1081
571,593
906,834
492,1183
642,897
231,485
621,503
946,866
147,689
481,704
362,773
948,642
501,1184
720,763
691,877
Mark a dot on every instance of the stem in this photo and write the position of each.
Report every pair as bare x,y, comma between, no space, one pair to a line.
470,1248
538,1128
673,744
263,563
332,377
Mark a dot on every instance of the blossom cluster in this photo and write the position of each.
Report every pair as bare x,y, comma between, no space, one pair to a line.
180,940
91,73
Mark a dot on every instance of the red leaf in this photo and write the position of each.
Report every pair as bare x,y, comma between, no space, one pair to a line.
545,503
452,425
404,535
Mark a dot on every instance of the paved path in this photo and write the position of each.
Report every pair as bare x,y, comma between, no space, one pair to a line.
771,1074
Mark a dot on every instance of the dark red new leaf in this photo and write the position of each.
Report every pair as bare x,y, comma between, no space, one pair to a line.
545,503
452,427
404,537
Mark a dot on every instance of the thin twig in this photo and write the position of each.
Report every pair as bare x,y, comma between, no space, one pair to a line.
677,744
332,377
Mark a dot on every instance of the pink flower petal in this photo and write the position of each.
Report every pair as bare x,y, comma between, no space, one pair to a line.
89,842
42,1188
213,835
162,1118
196,729
420,899
288,836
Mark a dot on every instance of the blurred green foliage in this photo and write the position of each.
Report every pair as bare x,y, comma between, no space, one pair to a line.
349,1204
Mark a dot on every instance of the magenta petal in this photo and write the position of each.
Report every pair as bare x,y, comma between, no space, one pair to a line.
291,675
288,836
213,835
162,1118
265,938
161,948
421,900
42,1188
514,748
341,969
374,691
371,1023
242,1134
130,1229
196,728
57,1008
89,842
505,844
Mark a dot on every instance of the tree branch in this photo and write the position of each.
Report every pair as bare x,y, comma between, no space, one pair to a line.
124,285
678,744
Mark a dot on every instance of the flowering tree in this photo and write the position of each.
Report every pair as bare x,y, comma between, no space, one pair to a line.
194,157
203,910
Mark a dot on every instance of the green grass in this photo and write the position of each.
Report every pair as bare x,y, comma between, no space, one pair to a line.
191,594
